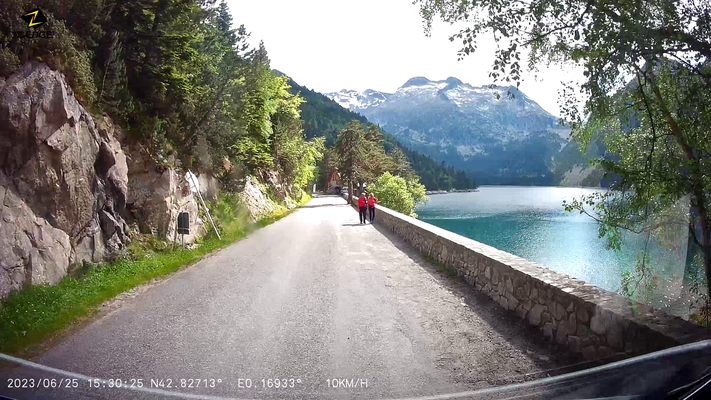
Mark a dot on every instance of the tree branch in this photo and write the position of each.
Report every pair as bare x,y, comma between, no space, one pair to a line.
666,32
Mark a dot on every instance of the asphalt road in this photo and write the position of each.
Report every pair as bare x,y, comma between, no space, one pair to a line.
314,299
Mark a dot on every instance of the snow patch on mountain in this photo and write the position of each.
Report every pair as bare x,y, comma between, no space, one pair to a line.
354,100
468,151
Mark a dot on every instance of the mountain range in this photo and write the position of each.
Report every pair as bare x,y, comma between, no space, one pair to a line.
497,134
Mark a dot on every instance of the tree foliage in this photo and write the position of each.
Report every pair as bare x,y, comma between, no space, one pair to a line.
361,159
397,193
376,160
646,88
350,154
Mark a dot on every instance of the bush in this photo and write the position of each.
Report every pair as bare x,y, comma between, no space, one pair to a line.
145,246
417,190
9,62
65,53
398,194
230,215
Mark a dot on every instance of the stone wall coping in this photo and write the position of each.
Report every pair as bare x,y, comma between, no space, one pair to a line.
602,301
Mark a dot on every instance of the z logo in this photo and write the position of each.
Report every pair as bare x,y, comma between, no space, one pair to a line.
34,18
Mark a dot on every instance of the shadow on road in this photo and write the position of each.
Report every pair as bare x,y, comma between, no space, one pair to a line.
551,358
353,224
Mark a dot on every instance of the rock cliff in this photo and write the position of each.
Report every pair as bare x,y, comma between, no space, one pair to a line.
31,250
257,202
66,182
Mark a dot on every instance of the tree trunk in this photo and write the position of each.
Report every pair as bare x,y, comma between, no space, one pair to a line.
697,181
706,248
350,192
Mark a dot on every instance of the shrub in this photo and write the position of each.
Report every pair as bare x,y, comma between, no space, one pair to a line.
65,52
398,194
9,62
230,215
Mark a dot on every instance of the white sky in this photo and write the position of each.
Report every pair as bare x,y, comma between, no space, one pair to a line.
329,45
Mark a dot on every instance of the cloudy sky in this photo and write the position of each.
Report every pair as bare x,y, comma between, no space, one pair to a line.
329,45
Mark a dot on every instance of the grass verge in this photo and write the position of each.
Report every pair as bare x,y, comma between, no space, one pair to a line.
441,267
35,313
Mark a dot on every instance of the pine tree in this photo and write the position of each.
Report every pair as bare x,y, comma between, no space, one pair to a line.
350,154
373,134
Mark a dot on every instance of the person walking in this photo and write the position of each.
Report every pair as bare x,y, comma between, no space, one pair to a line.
362,207
372,201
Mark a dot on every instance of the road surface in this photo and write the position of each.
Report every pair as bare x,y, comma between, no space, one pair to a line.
315,299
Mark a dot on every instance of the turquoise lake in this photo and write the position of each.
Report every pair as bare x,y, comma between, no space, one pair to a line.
530,222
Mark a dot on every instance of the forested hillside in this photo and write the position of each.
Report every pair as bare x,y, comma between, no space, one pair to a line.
438,176
324,117
321,115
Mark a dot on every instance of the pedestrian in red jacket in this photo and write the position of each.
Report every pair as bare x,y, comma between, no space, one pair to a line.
362,208
372,201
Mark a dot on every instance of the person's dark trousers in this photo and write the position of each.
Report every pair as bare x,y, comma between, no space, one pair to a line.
372,213
362,214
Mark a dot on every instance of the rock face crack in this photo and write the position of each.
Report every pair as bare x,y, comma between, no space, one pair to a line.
31,237
104,160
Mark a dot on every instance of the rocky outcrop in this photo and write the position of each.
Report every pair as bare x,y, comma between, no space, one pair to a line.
156,196
62,173
258,204
209,186
31,250
282,190
259,194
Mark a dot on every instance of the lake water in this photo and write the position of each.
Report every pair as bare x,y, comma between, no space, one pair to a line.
530,222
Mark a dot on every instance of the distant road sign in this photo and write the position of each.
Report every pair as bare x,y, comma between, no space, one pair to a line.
184,223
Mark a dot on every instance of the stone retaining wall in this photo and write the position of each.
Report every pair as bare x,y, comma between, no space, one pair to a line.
571,312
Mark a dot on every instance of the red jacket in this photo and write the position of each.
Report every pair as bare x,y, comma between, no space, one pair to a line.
372,201
361,201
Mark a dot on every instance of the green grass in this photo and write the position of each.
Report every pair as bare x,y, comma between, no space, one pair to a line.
35,313
441,267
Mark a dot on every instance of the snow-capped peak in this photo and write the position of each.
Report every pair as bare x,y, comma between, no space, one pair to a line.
354,100
451,90
417,81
